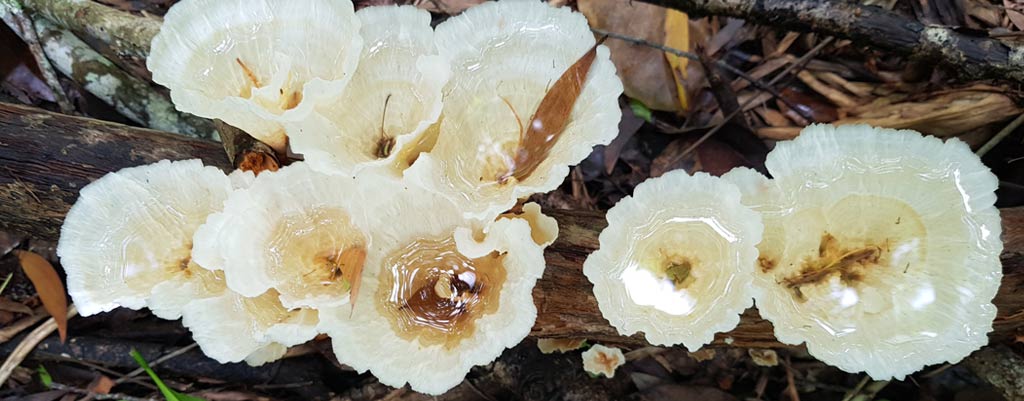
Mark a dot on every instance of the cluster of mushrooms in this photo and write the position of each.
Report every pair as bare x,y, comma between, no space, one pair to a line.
395,237
877,248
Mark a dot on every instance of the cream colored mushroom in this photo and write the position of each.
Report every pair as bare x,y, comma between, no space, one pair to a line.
393,98
230,328
881,248
435,302
130,232
504,57
256,64
676,260
602,360
293,231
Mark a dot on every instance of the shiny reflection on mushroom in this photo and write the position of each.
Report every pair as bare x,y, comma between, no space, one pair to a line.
676,260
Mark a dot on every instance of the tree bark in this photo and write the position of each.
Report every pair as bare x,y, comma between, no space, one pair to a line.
46,158
972,56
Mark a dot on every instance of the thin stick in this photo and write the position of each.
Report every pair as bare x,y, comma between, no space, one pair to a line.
8,332
799,62
1002,134
29,343
721,64
20,23
97,396
156,362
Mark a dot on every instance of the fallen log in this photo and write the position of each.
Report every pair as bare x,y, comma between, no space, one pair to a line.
45,158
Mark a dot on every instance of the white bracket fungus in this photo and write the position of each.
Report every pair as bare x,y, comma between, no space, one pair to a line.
255,64
393,98
881,247
432,307
676,260
131,230
504,57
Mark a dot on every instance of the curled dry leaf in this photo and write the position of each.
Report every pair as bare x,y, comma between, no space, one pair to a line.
49,287
551,117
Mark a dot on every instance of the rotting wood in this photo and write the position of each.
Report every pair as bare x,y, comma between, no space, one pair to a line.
48,157
972,56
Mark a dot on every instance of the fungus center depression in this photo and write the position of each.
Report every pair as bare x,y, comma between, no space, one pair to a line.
431,292
871,254
322,247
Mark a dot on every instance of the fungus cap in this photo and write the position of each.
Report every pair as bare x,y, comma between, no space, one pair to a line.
295,231
436,305
394,96
255,64
504,56
601,360
881,248
231,328
130,232
676,260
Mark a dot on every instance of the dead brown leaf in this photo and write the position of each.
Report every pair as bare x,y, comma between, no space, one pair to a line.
551,117
1013,12
49,287
16,307
944,113
101,385
646,74
351,262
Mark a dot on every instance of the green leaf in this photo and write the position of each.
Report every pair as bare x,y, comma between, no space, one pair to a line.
169,394
640,110
6,280
44,376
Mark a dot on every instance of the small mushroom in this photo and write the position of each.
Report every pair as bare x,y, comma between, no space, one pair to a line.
601,360
504,57
881,247
434,304
255,64
676,260
127,240
394,96
560,345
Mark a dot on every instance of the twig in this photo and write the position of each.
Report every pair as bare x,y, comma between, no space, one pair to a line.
97,396
856,390
29,343
722,64
1002,134
110,372
799,62
21,24
156,362
794,395
8,332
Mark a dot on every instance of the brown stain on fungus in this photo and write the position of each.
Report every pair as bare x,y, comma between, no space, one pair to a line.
766,264
432,293
850,264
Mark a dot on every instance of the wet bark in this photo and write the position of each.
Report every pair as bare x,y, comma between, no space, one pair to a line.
46,158
971,55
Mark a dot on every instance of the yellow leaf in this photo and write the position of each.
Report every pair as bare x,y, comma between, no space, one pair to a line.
677,36
49,287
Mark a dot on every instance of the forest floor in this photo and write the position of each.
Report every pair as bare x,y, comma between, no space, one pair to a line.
727,121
